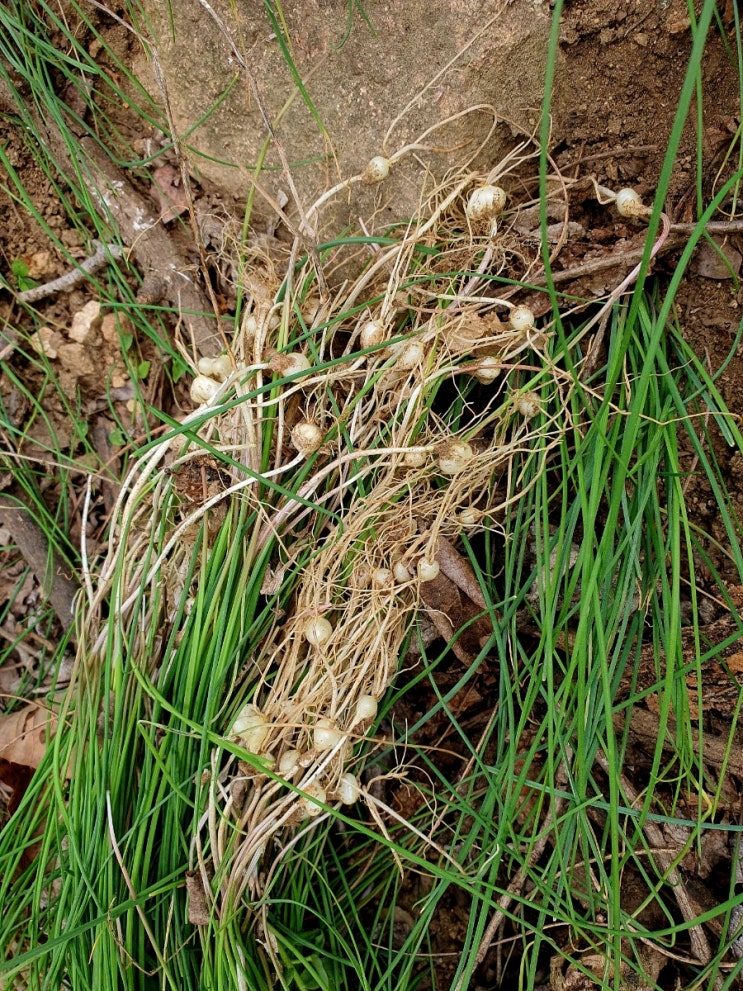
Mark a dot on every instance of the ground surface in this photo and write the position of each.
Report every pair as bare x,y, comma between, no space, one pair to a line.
613,111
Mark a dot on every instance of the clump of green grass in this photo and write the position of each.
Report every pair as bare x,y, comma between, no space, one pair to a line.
188,824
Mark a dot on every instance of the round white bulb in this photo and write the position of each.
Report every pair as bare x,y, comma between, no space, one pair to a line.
288,763
455,456
428,570
629,204
326,734
410,355
486,203
468,517
415,459
203,389
382,577
306,437
315,794
488,370
522,319
529,405
317,630
400,573
366,709
348,789
372,333
377,170
251,727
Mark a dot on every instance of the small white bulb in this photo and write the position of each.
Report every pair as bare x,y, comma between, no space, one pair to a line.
306,437
326,734
373,332
203,389
486,203
377,170
249,327
488,370
317,630
366,709
221,367
288,763
310,308
289,364
454,456
217,368
468,517
415,459
410,355
629,204
348,789
382,577
251,727
529,405
362,576
315,793
522,319
400,573
428,570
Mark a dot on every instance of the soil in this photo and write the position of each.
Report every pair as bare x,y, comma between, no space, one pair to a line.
613,110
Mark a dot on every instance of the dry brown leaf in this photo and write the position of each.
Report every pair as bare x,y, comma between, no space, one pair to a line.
198,905
722,262
168,192
461,572
24,734
449,609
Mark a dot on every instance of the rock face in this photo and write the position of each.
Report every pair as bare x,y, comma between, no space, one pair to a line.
377,74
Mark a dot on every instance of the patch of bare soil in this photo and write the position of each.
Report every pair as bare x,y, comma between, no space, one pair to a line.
613,113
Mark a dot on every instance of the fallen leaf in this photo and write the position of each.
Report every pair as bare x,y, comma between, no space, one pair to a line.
720,262
453,601
198,905
24,734
16,778
168,192
459,569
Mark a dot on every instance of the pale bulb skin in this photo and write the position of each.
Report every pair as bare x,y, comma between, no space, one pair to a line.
488,371
366,708
629,204
326,734
306,437
309,807
377,170
455,456
372,333
317,630
203,389
522,319
486,203
428,570
410,355
348,789
528,405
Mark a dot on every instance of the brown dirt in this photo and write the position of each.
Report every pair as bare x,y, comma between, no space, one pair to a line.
613,113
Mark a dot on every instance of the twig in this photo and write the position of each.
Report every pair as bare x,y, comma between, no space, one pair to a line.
52,572
104,253
699,943
602,317
516,885
119,205
675,239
